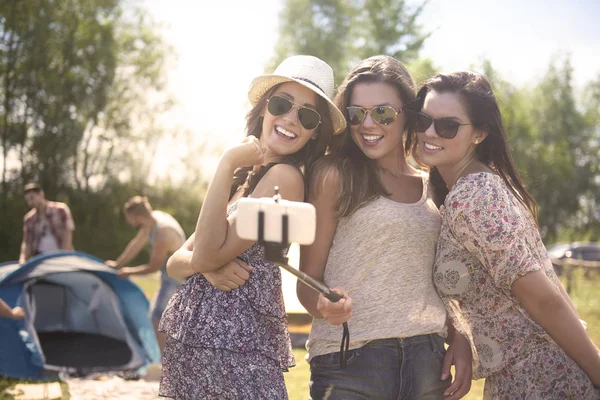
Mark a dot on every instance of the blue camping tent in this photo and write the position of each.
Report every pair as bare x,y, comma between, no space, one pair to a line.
80,318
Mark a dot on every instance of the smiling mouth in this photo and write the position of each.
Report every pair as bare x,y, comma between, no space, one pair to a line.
371,139
430,146
285,133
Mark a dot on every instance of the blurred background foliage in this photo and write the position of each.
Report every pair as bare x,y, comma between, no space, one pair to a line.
83,84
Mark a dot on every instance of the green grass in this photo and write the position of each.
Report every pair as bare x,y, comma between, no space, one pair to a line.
585,295
296,380
148,284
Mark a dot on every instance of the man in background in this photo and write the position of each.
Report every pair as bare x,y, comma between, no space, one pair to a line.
165,236
47,227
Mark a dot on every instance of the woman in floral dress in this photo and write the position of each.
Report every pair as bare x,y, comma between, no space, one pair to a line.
492,270
234,344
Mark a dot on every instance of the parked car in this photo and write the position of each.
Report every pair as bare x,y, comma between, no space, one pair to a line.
588,251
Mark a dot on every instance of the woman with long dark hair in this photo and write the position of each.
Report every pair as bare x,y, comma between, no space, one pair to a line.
492,270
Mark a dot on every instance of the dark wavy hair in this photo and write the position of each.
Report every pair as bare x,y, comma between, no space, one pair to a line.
359,179
302,159
477,96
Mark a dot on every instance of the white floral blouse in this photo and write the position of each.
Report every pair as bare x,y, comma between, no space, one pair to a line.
489,239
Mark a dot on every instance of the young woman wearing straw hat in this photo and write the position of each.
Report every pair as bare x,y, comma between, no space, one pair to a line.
234,344
377,226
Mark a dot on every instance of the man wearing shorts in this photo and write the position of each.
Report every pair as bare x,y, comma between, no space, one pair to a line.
164,235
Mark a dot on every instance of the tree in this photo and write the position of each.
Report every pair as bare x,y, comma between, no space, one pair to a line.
342,32
555,146
76,73
80,84
422,69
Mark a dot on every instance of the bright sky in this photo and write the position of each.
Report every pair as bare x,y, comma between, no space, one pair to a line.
222,45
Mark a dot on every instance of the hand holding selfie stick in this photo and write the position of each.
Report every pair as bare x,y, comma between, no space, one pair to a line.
277,213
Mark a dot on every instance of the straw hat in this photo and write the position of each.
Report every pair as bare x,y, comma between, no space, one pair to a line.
308,71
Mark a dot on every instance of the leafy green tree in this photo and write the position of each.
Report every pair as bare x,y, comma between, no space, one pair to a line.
81,82
555,146
315,27
342,32
422,69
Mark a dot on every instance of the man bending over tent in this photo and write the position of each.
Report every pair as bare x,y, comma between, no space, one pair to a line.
165,236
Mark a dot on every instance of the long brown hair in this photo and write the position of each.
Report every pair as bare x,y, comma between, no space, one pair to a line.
303,158
359,179
476,94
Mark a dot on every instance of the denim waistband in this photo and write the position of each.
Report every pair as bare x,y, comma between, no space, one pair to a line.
394,342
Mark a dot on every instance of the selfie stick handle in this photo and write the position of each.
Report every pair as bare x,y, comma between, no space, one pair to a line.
313,283
275,252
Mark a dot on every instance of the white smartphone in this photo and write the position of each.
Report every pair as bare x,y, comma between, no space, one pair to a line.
302,220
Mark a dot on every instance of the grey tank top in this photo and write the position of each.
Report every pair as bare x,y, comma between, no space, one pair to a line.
164,220
383,256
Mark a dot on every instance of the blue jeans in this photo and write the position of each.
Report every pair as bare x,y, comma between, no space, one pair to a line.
386,369
168,287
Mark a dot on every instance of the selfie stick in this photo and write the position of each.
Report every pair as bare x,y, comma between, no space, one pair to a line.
277,253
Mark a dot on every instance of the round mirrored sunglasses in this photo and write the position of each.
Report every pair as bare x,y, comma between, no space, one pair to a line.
383,115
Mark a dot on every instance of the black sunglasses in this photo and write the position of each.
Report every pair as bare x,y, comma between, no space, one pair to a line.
383,115
444,128
278,105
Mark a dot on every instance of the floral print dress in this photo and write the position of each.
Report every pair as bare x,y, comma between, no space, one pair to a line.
488,239
227,345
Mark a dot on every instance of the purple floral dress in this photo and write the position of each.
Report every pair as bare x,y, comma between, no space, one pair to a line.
227,345
488,240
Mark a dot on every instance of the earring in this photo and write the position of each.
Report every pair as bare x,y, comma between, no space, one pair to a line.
476,141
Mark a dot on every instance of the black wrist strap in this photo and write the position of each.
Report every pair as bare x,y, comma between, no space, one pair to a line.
344,346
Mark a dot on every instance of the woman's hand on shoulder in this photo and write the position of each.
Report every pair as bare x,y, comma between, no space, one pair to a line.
335,313
246,154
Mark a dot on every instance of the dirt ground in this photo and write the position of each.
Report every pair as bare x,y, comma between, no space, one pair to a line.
113,387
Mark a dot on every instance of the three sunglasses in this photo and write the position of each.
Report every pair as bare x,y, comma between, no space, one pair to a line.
279,105
444,128
383,115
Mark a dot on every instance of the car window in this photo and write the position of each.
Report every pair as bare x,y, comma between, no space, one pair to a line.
590,254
